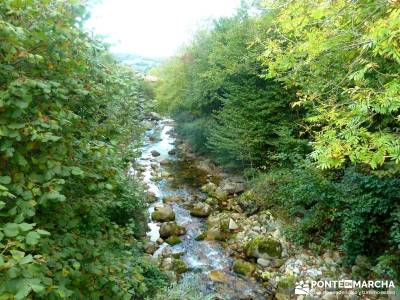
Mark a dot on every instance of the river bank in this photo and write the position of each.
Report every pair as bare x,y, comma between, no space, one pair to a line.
208,225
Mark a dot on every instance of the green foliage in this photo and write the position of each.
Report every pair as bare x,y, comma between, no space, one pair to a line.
357,211
68,212
343,58
221,105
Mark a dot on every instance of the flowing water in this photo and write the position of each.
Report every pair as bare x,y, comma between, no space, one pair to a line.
185,181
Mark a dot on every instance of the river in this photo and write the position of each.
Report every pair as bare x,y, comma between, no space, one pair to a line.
184,181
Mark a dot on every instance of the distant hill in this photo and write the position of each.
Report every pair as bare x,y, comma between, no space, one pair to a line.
139,63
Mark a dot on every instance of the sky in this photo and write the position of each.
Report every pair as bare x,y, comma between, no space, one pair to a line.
154,28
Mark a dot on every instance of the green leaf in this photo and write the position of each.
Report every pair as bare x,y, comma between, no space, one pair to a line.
2,204
5,179
32,238
26,226
26,260
76,171
42,232
11,229
17,255
23,291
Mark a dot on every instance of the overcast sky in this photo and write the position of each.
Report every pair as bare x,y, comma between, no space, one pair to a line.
154,28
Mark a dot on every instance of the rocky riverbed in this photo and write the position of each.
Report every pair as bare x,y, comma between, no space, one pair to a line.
208,225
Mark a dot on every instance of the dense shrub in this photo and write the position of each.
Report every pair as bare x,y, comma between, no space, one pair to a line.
68,113
356,211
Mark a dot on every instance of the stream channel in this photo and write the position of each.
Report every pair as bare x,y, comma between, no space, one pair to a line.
185,181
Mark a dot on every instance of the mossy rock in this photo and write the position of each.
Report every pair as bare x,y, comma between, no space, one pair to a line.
249,202
200,209
220,220
216,234
243,267
179,266
263,247
173,240
286,284
209,188
201,236
170,229
163,214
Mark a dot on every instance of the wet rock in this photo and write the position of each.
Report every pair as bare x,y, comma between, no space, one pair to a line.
201,236
163,213
159,241
216,234
232,225
150,248
179,266
173,240
243,267
172,152
155,153
166,252
263,247
151,197
165,174
200,209
219,276
173,199
165,162
166,264
153,116
174,264
170,229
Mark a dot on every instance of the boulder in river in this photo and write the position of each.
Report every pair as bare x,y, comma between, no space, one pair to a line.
173,240
172,152
170,229
200,209
155,153
173,199
153,116
165,162
219,276
151,247
163,213
151,197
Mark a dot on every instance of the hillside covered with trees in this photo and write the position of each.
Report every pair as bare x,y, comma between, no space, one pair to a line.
303,97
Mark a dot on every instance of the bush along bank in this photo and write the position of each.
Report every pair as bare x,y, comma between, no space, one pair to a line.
69,216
